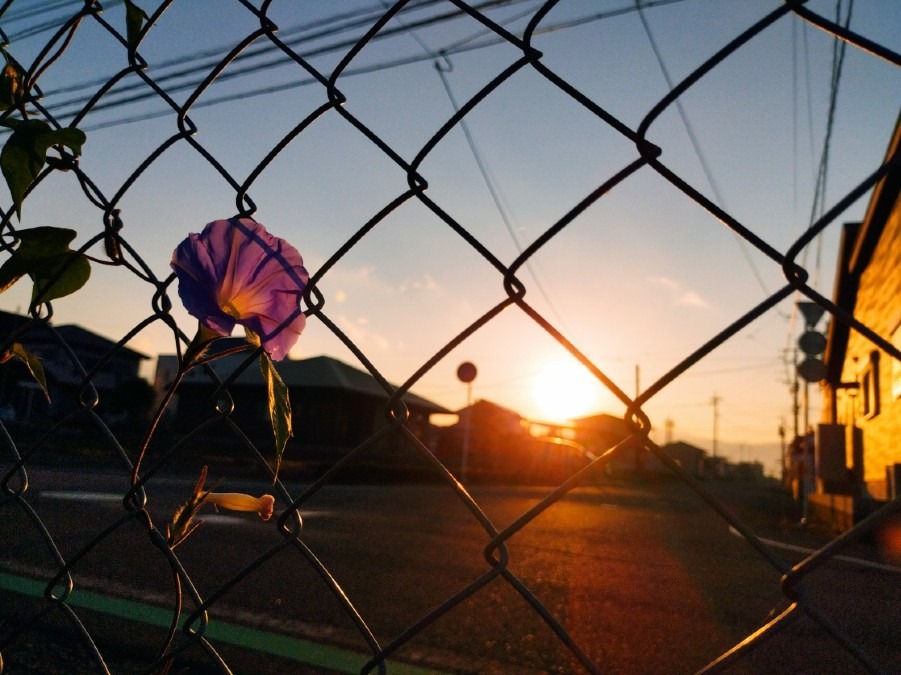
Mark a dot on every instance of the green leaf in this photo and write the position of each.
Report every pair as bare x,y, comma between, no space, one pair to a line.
279,407
134,22
35,368
25,153
44,255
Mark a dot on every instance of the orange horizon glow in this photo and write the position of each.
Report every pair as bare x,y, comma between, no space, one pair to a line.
564,390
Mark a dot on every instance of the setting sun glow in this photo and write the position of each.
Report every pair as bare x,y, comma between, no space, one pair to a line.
563,390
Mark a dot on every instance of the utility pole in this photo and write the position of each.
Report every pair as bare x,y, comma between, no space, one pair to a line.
782,448
668,425
796,386
715,401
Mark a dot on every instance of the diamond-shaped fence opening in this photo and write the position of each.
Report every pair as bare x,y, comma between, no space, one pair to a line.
606,185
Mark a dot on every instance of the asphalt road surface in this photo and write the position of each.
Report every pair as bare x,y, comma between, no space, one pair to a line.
645,578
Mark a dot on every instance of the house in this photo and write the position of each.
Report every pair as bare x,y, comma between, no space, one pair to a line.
691,458
601,432
748,471
598,433
69,355
490,443
858,454
335,407
504,447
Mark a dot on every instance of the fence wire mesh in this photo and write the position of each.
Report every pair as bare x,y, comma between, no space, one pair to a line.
196,591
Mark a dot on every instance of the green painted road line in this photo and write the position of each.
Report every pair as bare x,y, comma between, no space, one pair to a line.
295,649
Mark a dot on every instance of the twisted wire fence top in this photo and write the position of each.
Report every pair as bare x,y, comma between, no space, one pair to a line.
295,114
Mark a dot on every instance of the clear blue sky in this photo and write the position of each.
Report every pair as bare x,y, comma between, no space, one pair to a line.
642,278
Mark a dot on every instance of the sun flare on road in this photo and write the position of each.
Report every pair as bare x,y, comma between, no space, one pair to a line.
563,390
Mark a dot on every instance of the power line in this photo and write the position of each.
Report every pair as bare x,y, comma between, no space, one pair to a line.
487,178
708,173
210,59
269,89
819,199
494,191
715,401
44,8
818,204
458,47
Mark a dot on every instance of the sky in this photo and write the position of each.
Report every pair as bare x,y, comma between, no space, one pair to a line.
637,281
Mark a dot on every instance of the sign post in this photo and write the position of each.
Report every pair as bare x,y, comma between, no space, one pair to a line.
466,373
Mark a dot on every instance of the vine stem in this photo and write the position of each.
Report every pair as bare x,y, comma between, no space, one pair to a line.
173,627
157,416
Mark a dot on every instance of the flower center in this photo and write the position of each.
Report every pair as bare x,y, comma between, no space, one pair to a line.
229,308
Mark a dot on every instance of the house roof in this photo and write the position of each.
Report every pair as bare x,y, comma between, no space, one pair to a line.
677,447
856,249
603,422
489,407
320,372
74,335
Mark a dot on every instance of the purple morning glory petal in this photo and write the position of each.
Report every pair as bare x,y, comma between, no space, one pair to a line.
234,271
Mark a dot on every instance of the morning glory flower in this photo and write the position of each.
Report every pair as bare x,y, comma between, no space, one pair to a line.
235,272
183,523
238,501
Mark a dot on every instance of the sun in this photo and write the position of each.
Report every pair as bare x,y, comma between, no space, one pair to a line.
563,390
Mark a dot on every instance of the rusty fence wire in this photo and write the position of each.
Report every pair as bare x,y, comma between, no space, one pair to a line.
193,602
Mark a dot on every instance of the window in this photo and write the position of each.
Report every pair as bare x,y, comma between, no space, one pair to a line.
869,387
896,364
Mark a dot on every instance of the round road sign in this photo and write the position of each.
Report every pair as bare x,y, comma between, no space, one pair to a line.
466,372
812,370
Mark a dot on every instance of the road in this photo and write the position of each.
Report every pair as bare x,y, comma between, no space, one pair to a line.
646,579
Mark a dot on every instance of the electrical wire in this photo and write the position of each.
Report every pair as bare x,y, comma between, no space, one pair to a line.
46,26
292,37
31,12
458,47
496,196
490,183
819,199
251,60
696,145
839,48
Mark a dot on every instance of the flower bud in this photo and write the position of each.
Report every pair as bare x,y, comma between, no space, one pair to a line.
238,501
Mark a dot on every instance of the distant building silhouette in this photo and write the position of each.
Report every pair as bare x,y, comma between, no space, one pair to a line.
80,366
501,447
335,408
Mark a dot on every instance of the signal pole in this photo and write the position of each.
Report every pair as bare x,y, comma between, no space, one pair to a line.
466,373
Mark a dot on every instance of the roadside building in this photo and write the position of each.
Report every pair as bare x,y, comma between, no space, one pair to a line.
748,471
601,432
490,443
858,453
80,366
691,458
335,408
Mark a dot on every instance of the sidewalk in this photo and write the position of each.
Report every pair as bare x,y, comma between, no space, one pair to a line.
773,515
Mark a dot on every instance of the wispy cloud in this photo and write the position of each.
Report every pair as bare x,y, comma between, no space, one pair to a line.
365,280
678,293
357,330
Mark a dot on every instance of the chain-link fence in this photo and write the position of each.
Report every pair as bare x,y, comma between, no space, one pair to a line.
70,558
